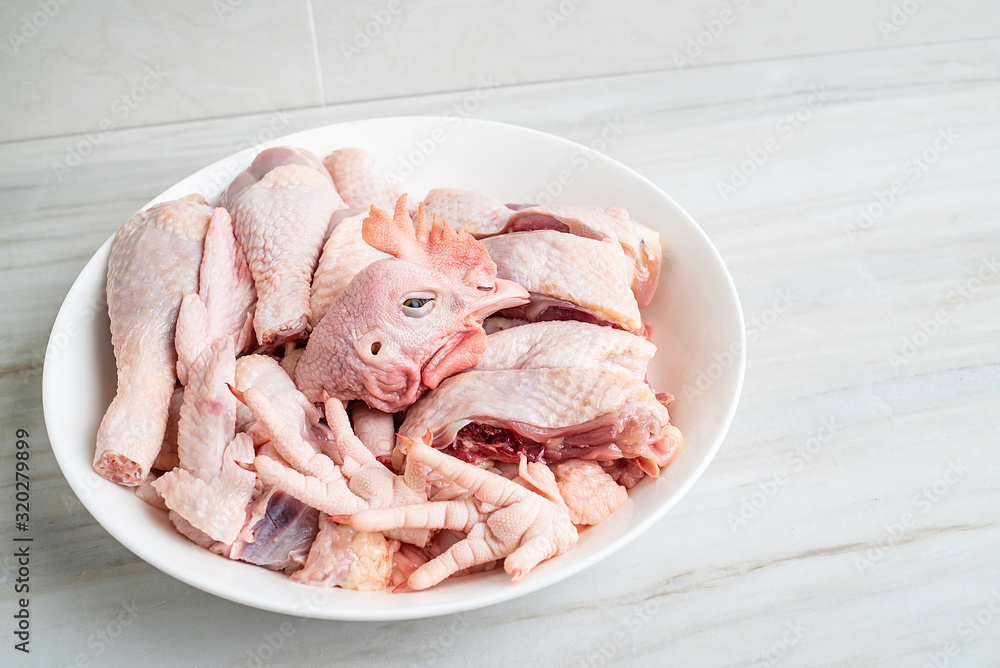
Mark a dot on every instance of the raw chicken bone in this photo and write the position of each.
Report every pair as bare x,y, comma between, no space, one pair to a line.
503,520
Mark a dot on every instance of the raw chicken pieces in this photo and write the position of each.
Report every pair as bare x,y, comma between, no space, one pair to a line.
208,490
278,533
478,214
549,415
360,181
343,557
567,344
154,262
289,458
639,243
345,254
501,521
590,493
281,222
566,273
405,323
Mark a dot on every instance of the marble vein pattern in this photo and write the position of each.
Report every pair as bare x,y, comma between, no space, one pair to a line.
851,516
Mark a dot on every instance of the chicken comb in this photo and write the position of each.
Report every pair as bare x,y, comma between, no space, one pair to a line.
437,245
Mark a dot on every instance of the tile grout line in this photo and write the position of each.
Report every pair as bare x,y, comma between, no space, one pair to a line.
316,60
547,82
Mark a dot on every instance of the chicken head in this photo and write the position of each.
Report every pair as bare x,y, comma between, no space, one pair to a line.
407,322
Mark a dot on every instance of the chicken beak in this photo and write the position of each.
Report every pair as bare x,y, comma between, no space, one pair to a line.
507,294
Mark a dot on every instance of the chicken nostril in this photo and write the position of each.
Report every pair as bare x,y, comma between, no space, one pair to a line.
377,346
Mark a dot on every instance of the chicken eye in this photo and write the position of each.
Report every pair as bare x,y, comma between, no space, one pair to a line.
418,305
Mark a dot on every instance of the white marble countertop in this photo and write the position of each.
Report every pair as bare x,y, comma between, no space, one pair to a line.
851,516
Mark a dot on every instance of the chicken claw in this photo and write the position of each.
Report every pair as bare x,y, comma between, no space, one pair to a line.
503,520
315,479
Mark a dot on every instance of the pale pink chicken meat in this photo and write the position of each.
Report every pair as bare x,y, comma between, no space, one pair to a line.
517,437
208,415
569,277
478,214
262,164
267,375
345,254
640,243
342,557
353,481
213,325
359,179
154,262
216,506
502,520
281,222
567,344
166,459
207,490
315,478
223,306
547,414
407,322
590,493
375,429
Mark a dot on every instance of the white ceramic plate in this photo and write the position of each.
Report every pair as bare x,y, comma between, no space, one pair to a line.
696,318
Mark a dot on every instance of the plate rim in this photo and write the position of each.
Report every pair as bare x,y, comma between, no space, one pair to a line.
417,610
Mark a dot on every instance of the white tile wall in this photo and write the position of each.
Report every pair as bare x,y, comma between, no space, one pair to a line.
69,67
89,65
